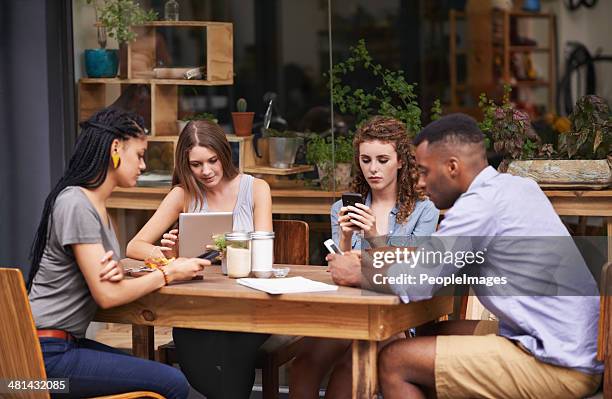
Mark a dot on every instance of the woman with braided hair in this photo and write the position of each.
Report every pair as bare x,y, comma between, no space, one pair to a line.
394,212
74,268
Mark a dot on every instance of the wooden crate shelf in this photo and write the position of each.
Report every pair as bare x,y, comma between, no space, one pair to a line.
141,59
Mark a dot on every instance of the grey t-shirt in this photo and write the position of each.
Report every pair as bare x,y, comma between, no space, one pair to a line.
59,297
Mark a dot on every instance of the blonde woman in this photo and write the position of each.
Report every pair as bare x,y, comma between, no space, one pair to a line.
218,364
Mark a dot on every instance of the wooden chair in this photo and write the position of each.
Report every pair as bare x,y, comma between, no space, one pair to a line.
19,345
291,245
604,341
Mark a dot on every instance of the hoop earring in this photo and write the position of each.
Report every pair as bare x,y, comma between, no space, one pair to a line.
116,159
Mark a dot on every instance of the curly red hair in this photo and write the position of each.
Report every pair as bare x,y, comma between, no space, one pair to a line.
390,130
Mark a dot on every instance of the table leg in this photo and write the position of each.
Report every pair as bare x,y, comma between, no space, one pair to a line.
364,369
143,341
609,229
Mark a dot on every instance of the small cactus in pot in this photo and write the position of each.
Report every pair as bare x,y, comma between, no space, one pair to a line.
241,105
243,120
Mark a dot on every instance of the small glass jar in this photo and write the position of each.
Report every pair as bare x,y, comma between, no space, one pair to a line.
262,253
238,254
171,10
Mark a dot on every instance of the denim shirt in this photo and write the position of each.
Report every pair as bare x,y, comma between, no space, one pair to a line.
421,222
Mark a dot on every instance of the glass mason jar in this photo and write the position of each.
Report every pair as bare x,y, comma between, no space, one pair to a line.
262,253
238,254
171,10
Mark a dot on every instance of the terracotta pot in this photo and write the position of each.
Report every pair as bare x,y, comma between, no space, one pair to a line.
243,123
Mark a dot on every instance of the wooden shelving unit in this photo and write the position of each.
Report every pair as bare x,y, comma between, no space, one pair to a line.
141,60
147,81
503,48
507,49
164,94
219,49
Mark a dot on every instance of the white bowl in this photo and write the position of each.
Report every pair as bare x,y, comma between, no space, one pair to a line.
281,272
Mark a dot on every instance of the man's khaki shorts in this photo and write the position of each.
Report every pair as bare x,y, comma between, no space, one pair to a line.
490,366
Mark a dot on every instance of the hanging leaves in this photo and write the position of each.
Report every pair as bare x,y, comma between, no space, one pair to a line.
393,96
118,16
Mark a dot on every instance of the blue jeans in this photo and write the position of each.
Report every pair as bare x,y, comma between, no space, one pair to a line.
94,369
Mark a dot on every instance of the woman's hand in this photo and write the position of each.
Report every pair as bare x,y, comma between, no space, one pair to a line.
111,269
169,244
363,218
185,268
346,226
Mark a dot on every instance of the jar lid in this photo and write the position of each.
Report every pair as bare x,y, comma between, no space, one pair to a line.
238,236
262,235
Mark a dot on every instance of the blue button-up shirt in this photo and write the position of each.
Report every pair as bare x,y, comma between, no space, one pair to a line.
560,330
421,222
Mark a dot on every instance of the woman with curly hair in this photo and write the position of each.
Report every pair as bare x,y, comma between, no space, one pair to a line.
394,211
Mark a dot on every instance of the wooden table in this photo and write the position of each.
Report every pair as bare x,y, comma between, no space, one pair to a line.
219,303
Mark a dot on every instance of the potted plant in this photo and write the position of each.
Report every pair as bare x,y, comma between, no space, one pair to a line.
243,120
115,18
590,134
319,152
282,147
392,96
586,135
510,129
221,245
202,116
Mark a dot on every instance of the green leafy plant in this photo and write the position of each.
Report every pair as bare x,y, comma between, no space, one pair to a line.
117,16
510,128
590,135
319,150
219,242
392,97
436,110
241,105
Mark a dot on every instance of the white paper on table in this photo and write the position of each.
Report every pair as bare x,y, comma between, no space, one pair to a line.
289,285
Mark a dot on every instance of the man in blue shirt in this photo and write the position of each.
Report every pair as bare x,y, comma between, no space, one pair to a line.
545,344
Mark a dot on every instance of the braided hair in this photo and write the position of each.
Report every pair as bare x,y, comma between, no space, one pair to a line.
390,130
87,168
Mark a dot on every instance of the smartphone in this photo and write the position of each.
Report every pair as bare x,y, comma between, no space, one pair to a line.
351,199
332,247
210,255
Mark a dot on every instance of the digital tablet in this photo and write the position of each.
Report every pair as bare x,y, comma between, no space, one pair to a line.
197,229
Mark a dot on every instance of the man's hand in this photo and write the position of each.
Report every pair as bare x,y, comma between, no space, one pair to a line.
345,269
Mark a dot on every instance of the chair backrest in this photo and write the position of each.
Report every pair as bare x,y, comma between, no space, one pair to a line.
19,345
291,245
604,342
